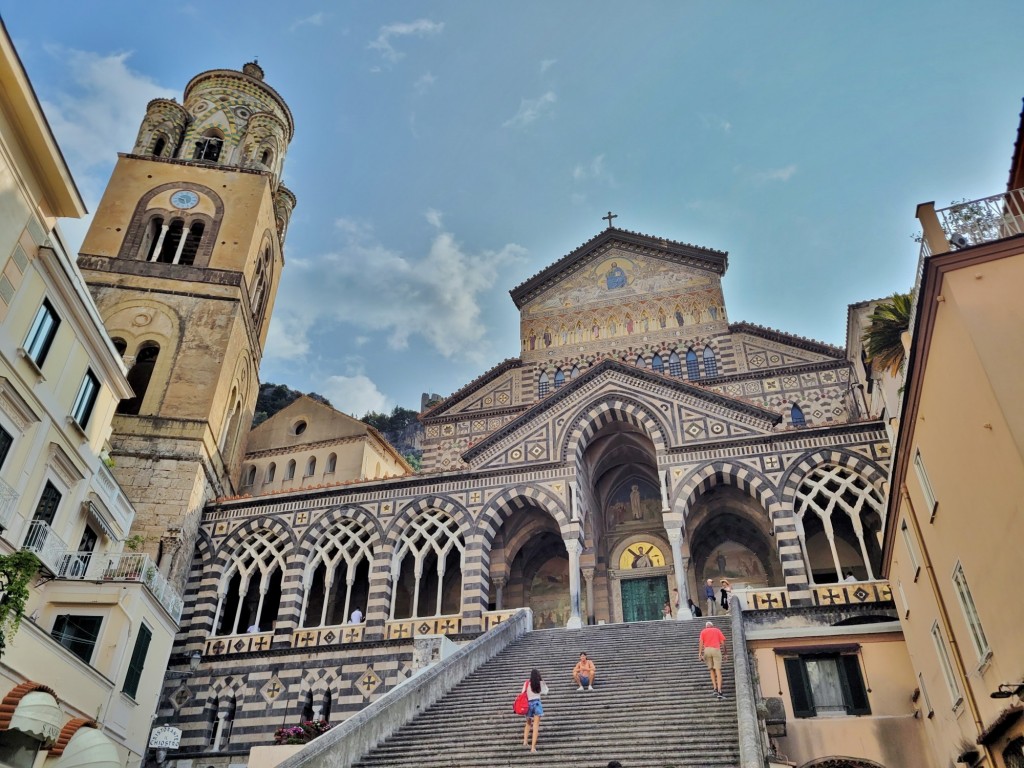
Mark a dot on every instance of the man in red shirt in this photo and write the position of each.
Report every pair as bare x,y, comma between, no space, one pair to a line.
712,652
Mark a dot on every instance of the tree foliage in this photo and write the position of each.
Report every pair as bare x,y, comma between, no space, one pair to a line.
883,336
396,421
16,571
276,397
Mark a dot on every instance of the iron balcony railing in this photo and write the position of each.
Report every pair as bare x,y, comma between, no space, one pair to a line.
8,504
983,221
45,544
121,566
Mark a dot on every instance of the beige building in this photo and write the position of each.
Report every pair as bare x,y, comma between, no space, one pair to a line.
80,679
954,521
311,445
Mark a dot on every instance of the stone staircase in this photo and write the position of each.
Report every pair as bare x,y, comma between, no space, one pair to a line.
652,706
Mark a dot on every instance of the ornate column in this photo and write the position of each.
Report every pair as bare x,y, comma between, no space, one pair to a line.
574,547
160,242
588,577
499,592
674,531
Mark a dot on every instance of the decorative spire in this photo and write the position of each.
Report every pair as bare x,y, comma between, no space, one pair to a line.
253,70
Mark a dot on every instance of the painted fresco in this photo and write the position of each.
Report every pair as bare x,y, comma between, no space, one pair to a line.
634,500
641,555
735,562
549,595
621,295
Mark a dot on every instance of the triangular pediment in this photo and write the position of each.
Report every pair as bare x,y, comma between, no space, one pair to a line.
679,412
495,389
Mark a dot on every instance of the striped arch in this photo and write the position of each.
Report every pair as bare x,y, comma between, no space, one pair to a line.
607,410
414,507
873,472
223,689
200,595
227,548
326,520
780,515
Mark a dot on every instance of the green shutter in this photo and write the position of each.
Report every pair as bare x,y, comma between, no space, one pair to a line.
134,675
799,688
854,694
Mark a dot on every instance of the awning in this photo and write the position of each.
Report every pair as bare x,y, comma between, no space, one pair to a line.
38,715
96,516
89,748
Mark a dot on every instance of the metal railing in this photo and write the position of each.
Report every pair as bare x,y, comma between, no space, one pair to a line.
120,566
983,221
8,504
45,544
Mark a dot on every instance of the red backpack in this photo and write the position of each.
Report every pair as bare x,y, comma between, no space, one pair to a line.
522,704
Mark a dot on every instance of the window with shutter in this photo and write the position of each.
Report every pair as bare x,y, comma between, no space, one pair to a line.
799,688
138,661
853,686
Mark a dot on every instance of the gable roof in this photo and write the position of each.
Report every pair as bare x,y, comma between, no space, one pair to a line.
642,374
484,378
683,253
801,342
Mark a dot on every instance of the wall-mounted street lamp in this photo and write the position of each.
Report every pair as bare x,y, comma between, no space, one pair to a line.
194,660
1007,690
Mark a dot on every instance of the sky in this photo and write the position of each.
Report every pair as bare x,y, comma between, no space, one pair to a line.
447,151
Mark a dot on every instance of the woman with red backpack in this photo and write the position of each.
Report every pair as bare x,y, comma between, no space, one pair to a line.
534,688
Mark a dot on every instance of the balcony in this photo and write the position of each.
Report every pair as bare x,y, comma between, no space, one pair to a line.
972,222
120,566
8,504
45,544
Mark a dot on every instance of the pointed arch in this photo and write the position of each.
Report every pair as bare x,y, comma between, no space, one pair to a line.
543,384
559,378
657,364
692,366
605,410
710,362
675,366
796,416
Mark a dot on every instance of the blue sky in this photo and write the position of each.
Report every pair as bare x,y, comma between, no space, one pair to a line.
446,151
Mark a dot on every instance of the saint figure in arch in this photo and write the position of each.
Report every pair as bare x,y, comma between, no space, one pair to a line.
634,503
640,558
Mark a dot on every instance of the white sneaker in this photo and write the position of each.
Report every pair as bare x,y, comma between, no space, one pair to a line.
580,688
590,688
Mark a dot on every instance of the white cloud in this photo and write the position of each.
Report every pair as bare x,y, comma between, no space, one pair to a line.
433,218
547,64
531,109
774,174
424,82
591,170
716,122
418,28
315,20
435,296
355,395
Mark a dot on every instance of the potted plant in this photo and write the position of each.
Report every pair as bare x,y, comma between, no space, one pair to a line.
303,733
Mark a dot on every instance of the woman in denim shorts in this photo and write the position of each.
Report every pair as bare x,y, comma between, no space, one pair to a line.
535,688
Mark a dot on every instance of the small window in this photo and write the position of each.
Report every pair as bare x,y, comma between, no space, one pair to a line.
250,476
692,367
963,592
908,542
299,428
926,486
947,667
138,661
290,472
332,464
170,251
40,335
657,364
158,146
574,373
86,399
271,471
78,634
311,466
266,158
49,501
543,384
208,148
640,362
559,378
826,685
6,441
796,414
710,363
675,366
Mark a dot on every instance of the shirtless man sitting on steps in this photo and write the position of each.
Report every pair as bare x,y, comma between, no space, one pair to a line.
584,673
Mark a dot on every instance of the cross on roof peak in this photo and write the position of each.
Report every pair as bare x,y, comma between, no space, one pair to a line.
609,218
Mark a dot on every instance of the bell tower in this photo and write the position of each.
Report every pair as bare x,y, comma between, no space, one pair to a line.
183,259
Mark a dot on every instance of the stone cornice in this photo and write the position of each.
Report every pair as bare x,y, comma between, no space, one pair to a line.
792,340
484,378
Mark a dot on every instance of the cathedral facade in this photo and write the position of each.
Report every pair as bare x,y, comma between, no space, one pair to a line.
639,444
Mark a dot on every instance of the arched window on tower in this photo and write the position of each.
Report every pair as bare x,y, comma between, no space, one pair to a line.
289,473
332,464
543,384
310,467
796,414
159,145
658,364
692,366
250,590
153,241
172,243
139,377
260,288
640,362
120,345
710,363
427,567
337,579
209,146
559,378
675,366
192,242
266,158
271,471
250,477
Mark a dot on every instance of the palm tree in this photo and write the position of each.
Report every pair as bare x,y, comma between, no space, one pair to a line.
883,337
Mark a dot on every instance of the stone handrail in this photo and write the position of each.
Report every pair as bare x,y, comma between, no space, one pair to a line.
751,754
345,744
